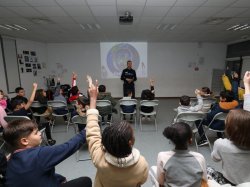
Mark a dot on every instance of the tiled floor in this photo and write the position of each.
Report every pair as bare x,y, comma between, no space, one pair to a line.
148,142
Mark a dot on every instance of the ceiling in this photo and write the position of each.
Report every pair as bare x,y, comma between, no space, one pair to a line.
186,18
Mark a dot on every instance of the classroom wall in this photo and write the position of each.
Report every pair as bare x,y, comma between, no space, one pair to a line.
171,65
27,78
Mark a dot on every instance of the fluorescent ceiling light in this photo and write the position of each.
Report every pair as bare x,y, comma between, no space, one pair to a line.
89,26
12,27
215,21
97,26
245,28
21,27
237,28
230,28
83,28
5,27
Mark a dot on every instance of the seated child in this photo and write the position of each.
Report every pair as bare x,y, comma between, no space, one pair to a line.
118,163
226,104
22,109
185,103
34,165
128,108
148,94
82,106
180,167
234,151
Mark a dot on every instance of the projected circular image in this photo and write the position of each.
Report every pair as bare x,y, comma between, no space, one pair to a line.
119,55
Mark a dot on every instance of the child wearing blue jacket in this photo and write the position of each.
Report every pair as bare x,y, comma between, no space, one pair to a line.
33,165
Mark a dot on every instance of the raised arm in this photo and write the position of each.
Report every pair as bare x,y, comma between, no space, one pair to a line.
199,106
246,81
74,77
32,97
152,88
93,131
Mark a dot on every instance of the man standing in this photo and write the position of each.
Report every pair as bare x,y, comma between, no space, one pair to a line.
129,76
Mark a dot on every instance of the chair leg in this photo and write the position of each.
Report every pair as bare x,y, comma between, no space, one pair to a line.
196,144
140,122
210,146
155,124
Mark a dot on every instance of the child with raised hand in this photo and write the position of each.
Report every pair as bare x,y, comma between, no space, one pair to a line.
185,103
234,151
33,165
180,167
112,153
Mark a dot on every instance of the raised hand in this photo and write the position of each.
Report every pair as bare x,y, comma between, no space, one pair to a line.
34,85
93,92
74,75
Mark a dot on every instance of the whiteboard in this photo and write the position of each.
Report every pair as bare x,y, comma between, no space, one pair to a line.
10,64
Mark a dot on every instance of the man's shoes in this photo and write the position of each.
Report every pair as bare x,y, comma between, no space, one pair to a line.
51,142
202,142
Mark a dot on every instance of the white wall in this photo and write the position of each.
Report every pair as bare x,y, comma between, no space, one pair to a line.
168,63
27,78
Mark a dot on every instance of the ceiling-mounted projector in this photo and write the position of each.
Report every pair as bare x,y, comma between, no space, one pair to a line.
126,19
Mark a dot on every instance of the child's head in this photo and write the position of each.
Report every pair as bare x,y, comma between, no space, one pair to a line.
40,93
118,139
20,91
205,91
17,104
22,134
83,101
129,93
185,100
237,127
102,88
226,96
74,90
180,134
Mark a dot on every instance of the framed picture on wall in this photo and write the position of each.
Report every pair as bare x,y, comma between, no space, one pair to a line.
26,52
32,53
39,66
28,65
28,70
26,58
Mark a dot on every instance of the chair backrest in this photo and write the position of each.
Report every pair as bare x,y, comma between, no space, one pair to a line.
79,119
220,116
12,118
128,102
103,103
149,103
57,104
190,116
36,104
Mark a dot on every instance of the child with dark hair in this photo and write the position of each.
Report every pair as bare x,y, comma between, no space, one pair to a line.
41,97
20,94
185,103
74,89
148,94
128,108
180,167
234,151
34,165
22,109
103,95
112,153
226,104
